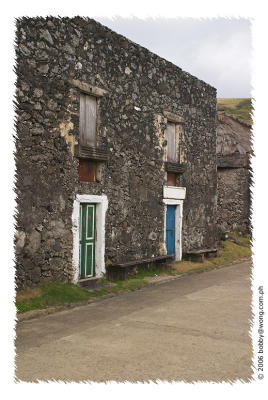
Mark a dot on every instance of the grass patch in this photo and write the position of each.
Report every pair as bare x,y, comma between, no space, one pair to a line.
238,108
230,252
147,273
28,294
55,294
52,294
242,240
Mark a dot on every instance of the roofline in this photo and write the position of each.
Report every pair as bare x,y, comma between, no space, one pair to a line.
87,19
149,51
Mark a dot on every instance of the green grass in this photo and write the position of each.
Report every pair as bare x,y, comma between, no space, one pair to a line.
146,273
238,108
56,294
230,252
51,294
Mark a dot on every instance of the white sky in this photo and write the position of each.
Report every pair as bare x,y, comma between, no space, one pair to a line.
217,50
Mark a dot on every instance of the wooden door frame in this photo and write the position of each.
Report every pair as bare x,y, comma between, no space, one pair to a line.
101,203
178,225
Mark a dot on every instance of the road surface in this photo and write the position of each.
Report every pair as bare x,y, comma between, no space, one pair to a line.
195,328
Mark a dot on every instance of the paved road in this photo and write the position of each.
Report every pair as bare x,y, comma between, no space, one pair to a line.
192,328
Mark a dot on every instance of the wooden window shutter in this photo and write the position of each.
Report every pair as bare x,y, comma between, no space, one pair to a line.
88,114
171,179
87,170
171,142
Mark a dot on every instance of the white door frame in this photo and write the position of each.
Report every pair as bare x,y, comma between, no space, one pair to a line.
178,225
101,208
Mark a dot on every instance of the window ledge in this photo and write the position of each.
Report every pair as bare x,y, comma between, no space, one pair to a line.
92,153
175,167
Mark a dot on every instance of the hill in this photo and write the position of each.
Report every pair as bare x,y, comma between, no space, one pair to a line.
238,108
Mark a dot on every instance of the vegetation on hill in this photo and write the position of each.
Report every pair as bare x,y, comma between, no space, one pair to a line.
238,108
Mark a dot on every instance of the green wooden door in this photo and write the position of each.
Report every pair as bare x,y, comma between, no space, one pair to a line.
87,240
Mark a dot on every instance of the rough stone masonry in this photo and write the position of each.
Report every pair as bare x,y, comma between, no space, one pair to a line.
234,174
56,59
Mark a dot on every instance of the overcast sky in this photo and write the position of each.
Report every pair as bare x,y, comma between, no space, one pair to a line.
217,51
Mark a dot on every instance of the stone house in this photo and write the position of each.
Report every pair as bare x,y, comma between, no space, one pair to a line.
115,153
234,174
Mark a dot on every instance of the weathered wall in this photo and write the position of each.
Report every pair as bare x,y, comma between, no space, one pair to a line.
234,176
140,86
234,199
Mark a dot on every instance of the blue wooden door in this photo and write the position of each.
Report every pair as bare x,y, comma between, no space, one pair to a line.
170,230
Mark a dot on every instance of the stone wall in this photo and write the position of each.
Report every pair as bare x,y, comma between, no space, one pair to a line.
54,57
234,177
234,199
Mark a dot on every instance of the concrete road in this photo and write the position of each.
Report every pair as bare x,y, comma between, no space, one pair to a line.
192,328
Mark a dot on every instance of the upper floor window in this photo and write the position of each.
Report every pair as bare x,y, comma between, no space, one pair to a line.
88,119
90,156
172,142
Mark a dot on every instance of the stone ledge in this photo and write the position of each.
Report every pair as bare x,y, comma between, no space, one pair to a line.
120,271
199,255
